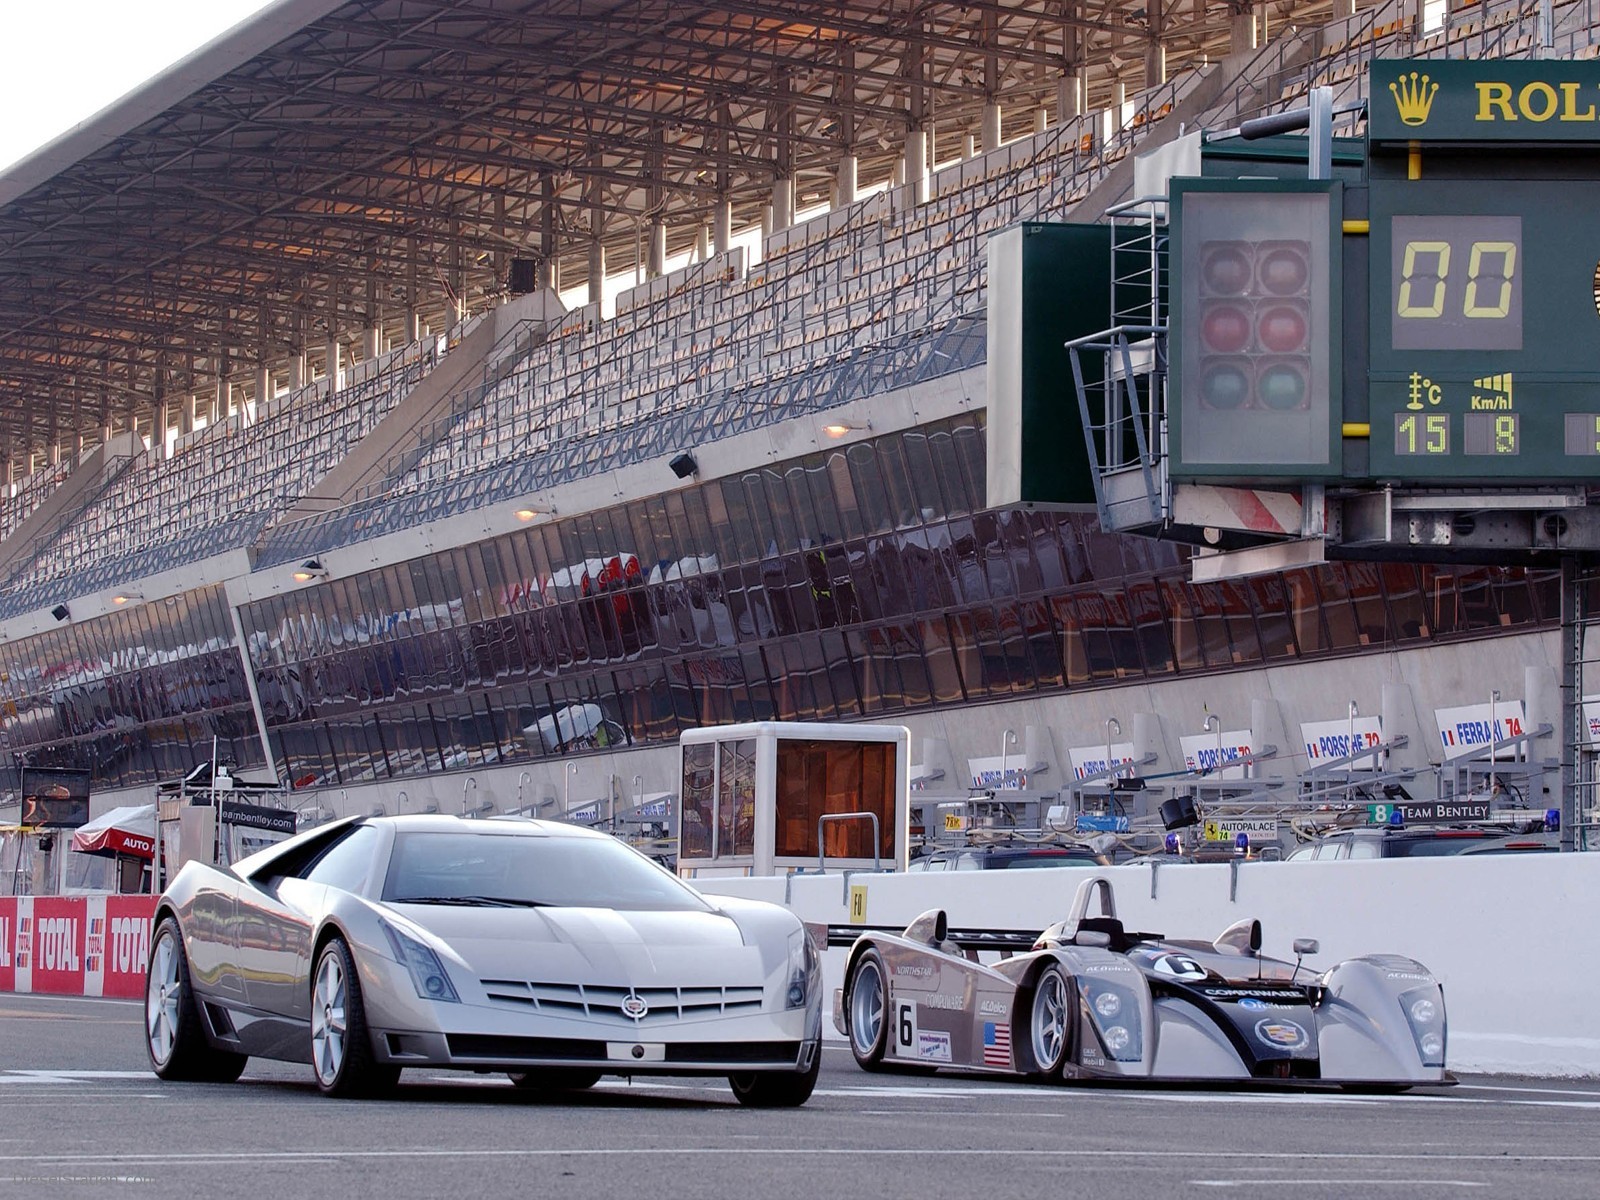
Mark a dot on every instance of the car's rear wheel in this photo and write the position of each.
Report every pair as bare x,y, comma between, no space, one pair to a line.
341,1044
554,1079
174,1037
776,1089
867,1010
1049,1022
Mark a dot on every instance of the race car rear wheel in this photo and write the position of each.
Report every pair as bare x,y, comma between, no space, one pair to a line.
867,1010
174,1037
1049,1021
776,1089
341,1044
554,1079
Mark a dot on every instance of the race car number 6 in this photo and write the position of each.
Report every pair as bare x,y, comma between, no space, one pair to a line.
905,1027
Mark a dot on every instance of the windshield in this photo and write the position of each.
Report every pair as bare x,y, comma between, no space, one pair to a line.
510,869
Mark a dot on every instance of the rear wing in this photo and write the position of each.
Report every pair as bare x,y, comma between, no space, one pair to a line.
965,939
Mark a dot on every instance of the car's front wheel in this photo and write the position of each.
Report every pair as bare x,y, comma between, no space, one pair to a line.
174,1038
554,1079
341,1044
867,1007
1049,1022
776,1089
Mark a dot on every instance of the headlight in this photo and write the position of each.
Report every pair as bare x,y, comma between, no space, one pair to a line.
801,962
428,975
1110,1002
1424,1011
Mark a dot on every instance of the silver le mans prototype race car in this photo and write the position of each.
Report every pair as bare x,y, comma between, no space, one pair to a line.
1087,999
550,952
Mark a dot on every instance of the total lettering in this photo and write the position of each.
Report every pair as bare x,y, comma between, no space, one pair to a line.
130,944
56,946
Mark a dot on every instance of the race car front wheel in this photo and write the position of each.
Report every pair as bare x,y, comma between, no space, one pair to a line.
341,1044
173,1036
867,1006
1049,1022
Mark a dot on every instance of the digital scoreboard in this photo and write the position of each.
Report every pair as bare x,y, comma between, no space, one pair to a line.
1484,337
1470,272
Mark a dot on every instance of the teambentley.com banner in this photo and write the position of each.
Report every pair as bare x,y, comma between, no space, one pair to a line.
75,945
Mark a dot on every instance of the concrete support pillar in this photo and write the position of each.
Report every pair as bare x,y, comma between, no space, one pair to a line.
849,180
1241,28
722,226
186,409
597,269
297,369
1041,120
1069,97
991,126
916,160
657,256
969,147
263,389
331,353
158,427
702,244
220,402
782,204
1155,64
374,339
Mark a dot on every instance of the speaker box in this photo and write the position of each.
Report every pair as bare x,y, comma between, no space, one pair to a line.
1179,812
683,465
60,612
524,276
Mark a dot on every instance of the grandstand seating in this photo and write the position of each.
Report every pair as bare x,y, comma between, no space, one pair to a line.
849,287
32,491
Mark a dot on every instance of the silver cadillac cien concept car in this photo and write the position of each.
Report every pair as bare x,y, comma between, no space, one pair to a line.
550,952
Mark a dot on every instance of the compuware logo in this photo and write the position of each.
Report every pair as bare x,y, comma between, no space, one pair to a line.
1413,97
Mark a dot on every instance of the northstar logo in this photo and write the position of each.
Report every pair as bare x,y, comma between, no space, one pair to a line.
1413,97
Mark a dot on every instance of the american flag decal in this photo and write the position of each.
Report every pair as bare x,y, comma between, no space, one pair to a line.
996,1045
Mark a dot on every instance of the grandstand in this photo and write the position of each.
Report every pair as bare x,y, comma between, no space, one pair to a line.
384,578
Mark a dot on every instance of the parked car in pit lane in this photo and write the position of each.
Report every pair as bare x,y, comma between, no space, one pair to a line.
1089,999
1425,842
1005,857
548,951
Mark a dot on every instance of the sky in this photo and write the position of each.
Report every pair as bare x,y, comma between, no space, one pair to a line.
62,61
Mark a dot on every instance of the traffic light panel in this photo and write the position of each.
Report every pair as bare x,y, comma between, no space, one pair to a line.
1255,326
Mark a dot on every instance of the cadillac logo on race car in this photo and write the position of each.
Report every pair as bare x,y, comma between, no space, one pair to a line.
1282,1033
634,1006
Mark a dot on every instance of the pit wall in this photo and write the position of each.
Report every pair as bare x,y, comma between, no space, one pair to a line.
75,945
1511,938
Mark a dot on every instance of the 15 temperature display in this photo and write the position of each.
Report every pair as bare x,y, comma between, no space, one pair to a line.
1457,283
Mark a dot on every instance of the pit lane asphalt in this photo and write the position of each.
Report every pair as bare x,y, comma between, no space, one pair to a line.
80,1115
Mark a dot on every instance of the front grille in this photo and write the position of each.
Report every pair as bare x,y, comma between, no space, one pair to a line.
508,1049
666,1005
501,1048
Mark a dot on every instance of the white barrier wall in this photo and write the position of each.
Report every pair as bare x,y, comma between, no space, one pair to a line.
1511,937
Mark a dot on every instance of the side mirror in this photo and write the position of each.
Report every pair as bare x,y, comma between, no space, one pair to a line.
1305,946
1092,937
1255,937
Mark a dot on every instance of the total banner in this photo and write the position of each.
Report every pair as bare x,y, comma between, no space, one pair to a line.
75,945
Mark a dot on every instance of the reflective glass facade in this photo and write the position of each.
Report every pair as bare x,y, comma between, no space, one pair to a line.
133,696
859,581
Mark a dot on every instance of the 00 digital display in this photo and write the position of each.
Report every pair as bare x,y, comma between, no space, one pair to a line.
1456,283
